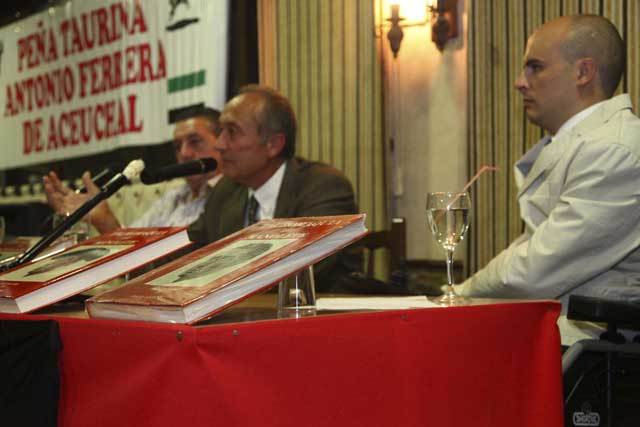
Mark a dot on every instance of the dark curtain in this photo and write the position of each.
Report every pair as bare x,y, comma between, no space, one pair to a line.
242,67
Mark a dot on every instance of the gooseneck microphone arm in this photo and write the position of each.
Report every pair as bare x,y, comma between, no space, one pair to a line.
132,171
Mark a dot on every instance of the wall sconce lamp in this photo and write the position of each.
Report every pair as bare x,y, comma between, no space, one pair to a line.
443,18
395,33
444,22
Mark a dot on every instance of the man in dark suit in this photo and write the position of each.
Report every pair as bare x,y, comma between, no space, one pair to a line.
263,179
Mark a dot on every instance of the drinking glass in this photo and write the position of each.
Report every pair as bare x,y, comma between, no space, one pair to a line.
77,233
297,295
448,217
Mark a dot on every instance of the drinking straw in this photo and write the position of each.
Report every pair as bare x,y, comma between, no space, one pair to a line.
477,175
483,169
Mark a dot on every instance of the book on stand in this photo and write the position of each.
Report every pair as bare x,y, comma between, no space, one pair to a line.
226,272
80,267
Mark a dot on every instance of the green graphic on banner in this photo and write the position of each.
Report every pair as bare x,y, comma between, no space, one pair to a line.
186,81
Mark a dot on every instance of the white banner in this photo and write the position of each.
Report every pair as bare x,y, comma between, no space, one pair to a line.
91,76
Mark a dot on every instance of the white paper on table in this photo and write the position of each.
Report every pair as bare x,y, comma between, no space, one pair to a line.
374,303
572,331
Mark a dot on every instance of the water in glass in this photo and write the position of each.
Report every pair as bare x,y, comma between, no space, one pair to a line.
448,218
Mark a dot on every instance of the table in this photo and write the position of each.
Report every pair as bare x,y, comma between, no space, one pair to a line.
483,365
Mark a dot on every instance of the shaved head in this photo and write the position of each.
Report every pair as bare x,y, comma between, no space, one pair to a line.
569,64
593,36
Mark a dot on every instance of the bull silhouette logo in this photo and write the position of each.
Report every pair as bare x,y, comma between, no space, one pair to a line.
176,11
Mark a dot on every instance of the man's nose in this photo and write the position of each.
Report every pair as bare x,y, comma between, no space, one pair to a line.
221,142
520,83
185,152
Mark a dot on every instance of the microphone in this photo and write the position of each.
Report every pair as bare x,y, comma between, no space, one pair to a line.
132,171
99,178
166,173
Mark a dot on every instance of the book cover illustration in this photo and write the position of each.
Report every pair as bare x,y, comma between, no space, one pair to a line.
211,267
60,264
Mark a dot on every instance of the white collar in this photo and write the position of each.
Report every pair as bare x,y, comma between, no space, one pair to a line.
209,185
214,180
524,165
576,119
267,194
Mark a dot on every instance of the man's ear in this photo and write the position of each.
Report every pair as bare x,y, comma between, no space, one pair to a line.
275,144
587,70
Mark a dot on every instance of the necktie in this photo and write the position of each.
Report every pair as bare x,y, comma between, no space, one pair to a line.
252,211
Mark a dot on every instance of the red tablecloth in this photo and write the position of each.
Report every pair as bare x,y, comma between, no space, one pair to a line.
487,365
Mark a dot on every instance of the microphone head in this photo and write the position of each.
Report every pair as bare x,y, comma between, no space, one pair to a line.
208,164
194,167
133,169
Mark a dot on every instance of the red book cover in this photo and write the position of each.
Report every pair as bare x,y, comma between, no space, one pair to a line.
227,271
85,265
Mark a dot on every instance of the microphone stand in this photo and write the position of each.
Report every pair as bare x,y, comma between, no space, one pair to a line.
105,192
50,237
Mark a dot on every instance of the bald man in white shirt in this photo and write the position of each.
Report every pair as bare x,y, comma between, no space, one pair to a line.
579,187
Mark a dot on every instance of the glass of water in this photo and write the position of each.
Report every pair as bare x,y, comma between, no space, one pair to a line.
448,218
77,233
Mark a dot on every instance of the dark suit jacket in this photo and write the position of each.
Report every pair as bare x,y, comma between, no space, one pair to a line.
308,189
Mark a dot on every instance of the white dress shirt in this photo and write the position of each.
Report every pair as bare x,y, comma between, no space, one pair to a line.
177,207
267,194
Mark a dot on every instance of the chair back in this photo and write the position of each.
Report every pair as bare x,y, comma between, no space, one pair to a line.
394,240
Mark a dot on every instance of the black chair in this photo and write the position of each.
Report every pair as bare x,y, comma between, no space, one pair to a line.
394,241
601,377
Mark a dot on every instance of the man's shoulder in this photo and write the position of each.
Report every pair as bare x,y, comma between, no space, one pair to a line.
226,184
309,169
621,131
619,127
